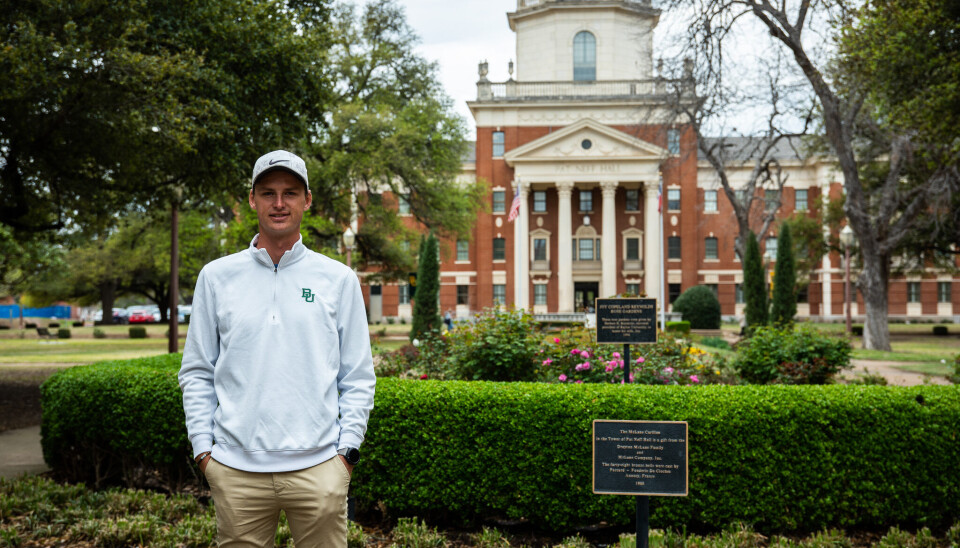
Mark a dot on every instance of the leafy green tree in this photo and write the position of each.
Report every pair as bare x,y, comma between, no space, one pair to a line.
390,129
426,309
106,103
784,304
754,285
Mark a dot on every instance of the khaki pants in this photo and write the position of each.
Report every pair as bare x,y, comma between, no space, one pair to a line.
248,504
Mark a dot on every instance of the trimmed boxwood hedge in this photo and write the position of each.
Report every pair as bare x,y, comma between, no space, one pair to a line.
782,458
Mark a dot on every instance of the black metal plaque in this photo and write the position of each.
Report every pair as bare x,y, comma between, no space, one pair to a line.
640,458
626,321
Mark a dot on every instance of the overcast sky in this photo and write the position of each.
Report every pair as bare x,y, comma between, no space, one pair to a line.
458,34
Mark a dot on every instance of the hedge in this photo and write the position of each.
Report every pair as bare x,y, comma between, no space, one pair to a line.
781,458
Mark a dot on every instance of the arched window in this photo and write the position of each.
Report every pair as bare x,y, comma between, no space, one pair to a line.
584,57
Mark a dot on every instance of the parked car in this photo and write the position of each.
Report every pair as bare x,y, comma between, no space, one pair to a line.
120,316
141,316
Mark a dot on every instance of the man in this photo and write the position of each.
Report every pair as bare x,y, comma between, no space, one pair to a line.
277,375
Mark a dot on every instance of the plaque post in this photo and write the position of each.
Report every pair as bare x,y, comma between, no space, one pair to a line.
643,521
626,364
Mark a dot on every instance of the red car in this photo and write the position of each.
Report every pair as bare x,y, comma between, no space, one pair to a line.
140,316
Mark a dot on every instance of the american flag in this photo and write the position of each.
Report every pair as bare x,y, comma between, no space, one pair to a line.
514,207
660,197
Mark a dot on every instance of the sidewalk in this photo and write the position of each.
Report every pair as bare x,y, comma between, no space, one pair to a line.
20,452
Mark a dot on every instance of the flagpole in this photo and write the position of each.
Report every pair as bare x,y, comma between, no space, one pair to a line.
663,270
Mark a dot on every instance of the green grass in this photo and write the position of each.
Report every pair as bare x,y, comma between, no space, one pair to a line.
77,350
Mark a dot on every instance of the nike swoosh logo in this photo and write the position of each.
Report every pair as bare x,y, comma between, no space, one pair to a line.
277,161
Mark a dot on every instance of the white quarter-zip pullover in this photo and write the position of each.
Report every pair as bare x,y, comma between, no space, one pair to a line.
277,372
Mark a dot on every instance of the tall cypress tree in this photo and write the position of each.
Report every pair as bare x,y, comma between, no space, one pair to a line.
754,288
784,306
426,307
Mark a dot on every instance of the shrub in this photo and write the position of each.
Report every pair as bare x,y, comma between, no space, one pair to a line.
791,356
4,327
429,359
856,330
77,324
499,345
53,325
412,533
391,320
940,330
679,327
30,325
955,377
63,333
99,333
754,285
700,307
138,332
848,456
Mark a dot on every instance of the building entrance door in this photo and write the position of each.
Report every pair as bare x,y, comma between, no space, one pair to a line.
584,295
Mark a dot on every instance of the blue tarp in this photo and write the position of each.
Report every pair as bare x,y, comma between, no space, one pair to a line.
11,311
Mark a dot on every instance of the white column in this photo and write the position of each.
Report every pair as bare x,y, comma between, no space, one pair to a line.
608,240
651,241
564,248
523,265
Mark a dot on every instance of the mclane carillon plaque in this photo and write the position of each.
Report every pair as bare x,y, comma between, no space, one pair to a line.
626,321
640,458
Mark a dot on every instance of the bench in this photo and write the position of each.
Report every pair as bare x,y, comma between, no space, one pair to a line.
45,333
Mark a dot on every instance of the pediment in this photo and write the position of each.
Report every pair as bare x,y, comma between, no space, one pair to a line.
567,144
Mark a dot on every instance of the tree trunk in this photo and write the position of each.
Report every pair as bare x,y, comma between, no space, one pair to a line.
873,286
108,294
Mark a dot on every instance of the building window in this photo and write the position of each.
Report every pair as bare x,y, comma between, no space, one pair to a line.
403,206
738,294
497,144
800,201
943,292
633,249
803,294
499,294
539,249
463,294
673,291
710,247
404,294
499,201
540,294
673,247
633,289
673,199
586,200
673,141
633,199
585,249
463,250
743,198
772,199
584,57
710,201
715,288
539,201
499,249
771,249
913,292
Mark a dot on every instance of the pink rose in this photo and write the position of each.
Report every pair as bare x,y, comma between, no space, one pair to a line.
423,377
547,361
641,359
584,354
574,351
667,370
562,377
608,368
578,381
694,379
616,354
556,340
586,365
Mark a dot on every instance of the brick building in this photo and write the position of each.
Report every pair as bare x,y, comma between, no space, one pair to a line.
583,136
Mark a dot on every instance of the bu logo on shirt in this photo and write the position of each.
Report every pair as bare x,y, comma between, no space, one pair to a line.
308,295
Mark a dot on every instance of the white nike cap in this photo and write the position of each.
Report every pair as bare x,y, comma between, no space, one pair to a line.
280,159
